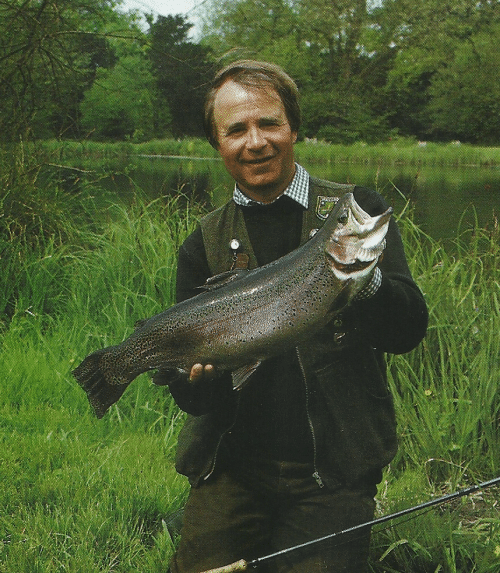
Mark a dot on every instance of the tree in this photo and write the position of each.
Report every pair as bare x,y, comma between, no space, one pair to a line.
424,37
365,68
465,93
263,29
337,26
50,51
327,47
181,69
120,104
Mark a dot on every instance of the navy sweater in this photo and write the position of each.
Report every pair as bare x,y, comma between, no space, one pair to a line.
272,421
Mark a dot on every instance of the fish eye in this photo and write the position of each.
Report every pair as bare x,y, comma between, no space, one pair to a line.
343,217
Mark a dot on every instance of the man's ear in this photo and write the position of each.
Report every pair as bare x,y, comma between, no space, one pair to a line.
294,135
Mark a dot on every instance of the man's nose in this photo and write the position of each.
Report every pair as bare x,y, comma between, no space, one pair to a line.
255,138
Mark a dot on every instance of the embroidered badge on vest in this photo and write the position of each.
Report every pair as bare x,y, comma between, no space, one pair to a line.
324,206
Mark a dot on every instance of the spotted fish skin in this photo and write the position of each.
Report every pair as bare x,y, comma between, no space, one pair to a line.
258,315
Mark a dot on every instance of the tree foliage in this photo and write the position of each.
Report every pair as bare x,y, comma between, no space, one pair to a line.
366,69
371,69
181,69
120,102
49,53
465,93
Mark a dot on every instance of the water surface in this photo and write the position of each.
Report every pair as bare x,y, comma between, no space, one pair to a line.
446,200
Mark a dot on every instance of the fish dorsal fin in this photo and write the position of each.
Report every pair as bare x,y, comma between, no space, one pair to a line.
241,376
223,279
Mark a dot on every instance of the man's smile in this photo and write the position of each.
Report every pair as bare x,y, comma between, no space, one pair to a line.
258,161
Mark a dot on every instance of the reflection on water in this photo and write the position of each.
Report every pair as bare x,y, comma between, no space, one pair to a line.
443,198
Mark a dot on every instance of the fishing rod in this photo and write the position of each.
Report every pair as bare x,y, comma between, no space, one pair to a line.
243,565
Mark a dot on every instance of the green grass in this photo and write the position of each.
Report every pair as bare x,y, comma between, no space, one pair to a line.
187,147
81,494
453,375
398,151
448,406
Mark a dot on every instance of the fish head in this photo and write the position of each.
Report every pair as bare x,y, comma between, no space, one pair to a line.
356,240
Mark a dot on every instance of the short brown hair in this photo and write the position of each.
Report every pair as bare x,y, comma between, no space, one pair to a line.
256,74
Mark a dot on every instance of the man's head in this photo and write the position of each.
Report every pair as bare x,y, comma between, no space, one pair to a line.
255,74
252,118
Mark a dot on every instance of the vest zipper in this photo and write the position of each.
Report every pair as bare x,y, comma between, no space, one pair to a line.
214,459
315,474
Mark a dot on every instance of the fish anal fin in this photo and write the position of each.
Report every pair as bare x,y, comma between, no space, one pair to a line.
105,398
241,375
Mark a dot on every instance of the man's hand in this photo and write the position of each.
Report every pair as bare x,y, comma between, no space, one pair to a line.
201,372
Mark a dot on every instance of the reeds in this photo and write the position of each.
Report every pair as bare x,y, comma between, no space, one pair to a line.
448,407
80,494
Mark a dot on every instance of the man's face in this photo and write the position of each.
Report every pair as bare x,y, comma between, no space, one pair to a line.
254,139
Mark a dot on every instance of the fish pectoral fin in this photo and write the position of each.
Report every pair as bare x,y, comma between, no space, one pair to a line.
223,279
341,300
241,376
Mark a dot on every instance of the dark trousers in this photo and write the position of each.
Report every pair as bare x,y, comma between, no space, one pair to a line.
261,510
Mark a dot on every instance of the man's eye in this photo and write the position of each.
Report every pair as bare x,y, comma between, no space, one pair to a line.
234,130
270,123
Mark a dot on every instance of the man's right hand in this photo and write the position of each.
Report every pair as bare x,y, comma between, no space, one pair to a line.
201,372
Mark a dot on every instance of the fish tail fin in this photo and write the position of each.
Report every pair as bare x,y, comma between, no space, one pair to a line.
91,377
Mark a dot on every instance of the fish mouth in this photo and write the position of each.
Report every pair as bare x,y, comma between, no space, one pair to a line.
358,242
349,268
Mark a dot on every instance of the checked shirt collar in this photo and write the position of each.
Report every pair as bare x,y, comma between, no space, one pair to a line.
298,190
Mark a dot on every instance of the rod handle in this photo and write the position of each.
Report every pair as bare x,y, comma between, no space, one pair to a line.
240,565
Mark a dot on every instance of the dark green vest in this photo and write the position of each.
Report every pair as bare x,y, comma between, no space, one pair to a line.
223,225
352,413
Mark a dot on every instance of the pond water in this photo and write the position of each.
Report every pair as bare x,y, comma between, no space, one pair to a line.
445,200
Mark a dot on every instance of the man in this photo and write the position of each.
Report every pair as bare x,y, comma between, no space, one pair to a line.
297,453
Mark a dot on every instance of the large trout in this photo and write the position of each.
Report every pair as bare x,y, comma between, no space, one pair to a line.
235,324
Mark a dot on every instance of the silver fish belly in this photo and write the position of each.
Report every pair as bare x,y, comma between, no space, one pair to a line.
258,315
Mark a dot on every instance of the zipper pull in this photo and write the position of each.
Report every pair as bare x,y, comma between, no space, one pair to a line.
318,479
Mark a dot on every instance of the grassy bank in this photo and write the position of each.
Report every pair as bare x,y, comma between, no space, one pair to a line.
400,152
80,494
446,397
396,152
